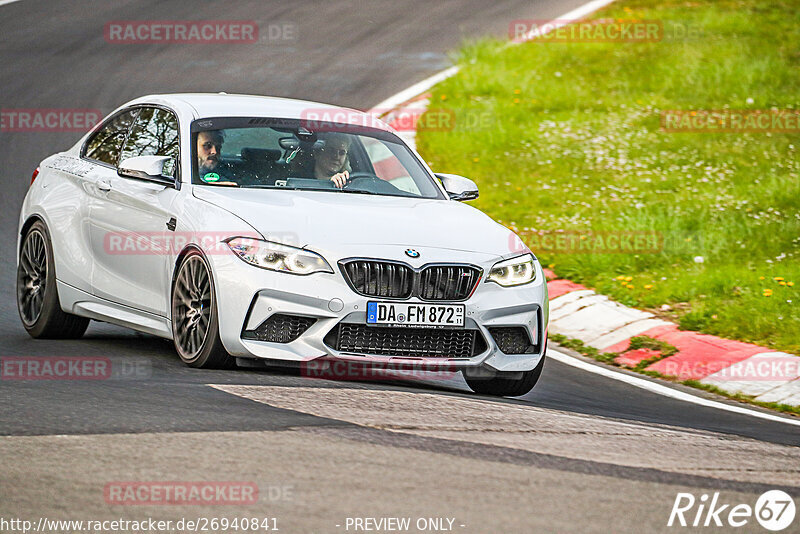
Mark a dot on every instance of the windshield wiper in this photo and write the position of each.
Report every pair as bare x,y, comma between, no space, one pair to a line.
327,189
398,194
361,192
284,188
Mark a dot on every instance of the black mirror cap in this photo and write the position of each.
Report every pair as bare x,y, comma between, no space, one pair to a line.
462,197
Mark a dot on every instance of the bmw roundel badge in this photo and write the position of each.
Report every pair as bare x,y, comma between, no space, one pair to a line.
411,253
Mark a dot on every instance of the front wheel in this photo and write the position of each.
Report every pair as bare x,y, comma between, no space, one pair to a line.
37,295
506,384
195,323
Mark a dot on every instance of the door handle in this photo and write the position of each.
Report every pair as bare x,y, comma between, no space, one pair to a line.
104,185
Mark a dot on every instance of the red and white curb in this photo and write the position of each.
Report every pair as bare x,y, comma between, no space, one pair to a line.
734,366
580,313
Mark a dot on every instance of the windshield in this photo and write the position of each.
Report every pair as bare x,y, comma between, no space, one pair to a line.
283,154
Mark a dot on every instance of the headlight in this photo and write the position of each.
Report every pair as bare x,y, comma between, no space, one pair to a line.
276,257
513,272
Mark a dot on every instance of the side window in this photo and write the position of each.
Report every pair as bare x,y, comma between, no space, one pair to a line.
155,133
106,143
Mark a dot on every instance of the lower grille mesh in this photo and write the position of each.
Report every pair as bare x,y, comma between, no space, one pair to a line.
412,342
512,340
280,328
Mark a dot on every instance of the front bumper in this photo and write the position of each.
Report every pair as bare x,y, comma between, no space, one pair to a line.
247,296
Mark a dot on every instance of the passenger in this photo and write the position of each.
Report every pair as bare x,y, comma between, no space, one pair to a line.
331,161
328,162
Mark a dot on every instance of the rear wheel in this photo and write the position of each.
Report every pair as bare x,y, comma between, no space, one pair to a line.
195,324
37,294
506,384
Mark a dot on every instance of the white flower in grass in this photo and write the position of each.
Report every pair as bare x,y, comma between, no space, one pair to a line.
749,100
699,259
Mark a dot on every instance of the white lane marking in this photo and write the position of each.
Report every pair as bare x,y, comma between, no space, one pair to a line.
563,20
415,90
662,389
4,2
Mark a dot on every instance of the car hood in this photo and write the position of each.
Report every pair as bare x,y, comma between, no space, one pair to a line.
345,223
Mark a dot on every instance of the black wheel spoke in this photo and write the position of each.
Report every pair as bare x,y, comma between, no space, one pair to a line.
181,293
182,333
26,262
195,337
29,306
202,282
36,303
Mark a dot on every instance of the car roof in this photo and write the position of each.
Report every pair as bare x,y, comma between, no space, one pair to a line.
206,105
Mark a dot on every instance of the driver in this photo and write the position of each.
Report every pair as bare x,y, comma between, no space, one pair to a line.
331,160
209,148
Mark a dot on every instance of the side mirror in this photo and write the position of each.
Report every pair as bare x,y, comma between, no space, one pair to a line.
458,187
149,168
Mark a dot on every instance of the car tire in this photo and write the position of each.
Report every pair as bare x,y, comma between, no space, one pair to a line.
37,294
507,386
195,321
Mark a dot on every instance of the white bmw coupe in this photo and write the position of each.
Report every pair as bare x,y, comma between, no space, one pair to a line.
252,229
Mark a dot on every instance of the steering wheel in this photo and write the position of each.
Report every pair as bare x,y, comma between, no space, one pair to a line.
362,179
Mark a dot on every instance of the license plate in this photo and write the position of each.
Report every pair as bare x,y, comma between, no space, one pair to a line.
407,314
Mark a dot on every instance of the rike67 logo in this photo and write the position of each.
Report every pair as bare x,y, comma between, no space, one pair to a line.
774,510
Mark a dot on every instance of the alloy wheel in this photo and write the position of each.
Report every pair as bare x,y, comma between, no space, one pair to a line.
32,277
192,306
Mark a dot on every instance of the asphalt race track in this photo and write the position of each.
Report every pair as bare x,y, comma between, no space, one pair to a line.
579,453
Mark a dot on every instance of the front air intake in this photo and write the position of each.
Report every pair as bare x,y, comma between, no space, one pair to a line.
280,328
512,340
409,342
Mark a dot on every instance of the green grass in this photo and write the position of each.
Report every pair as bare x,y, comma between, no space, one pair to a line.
664,349
578,346
573,143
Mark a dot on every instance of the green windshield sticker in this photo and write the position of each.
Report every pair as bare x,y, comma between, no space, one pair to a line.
211,177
